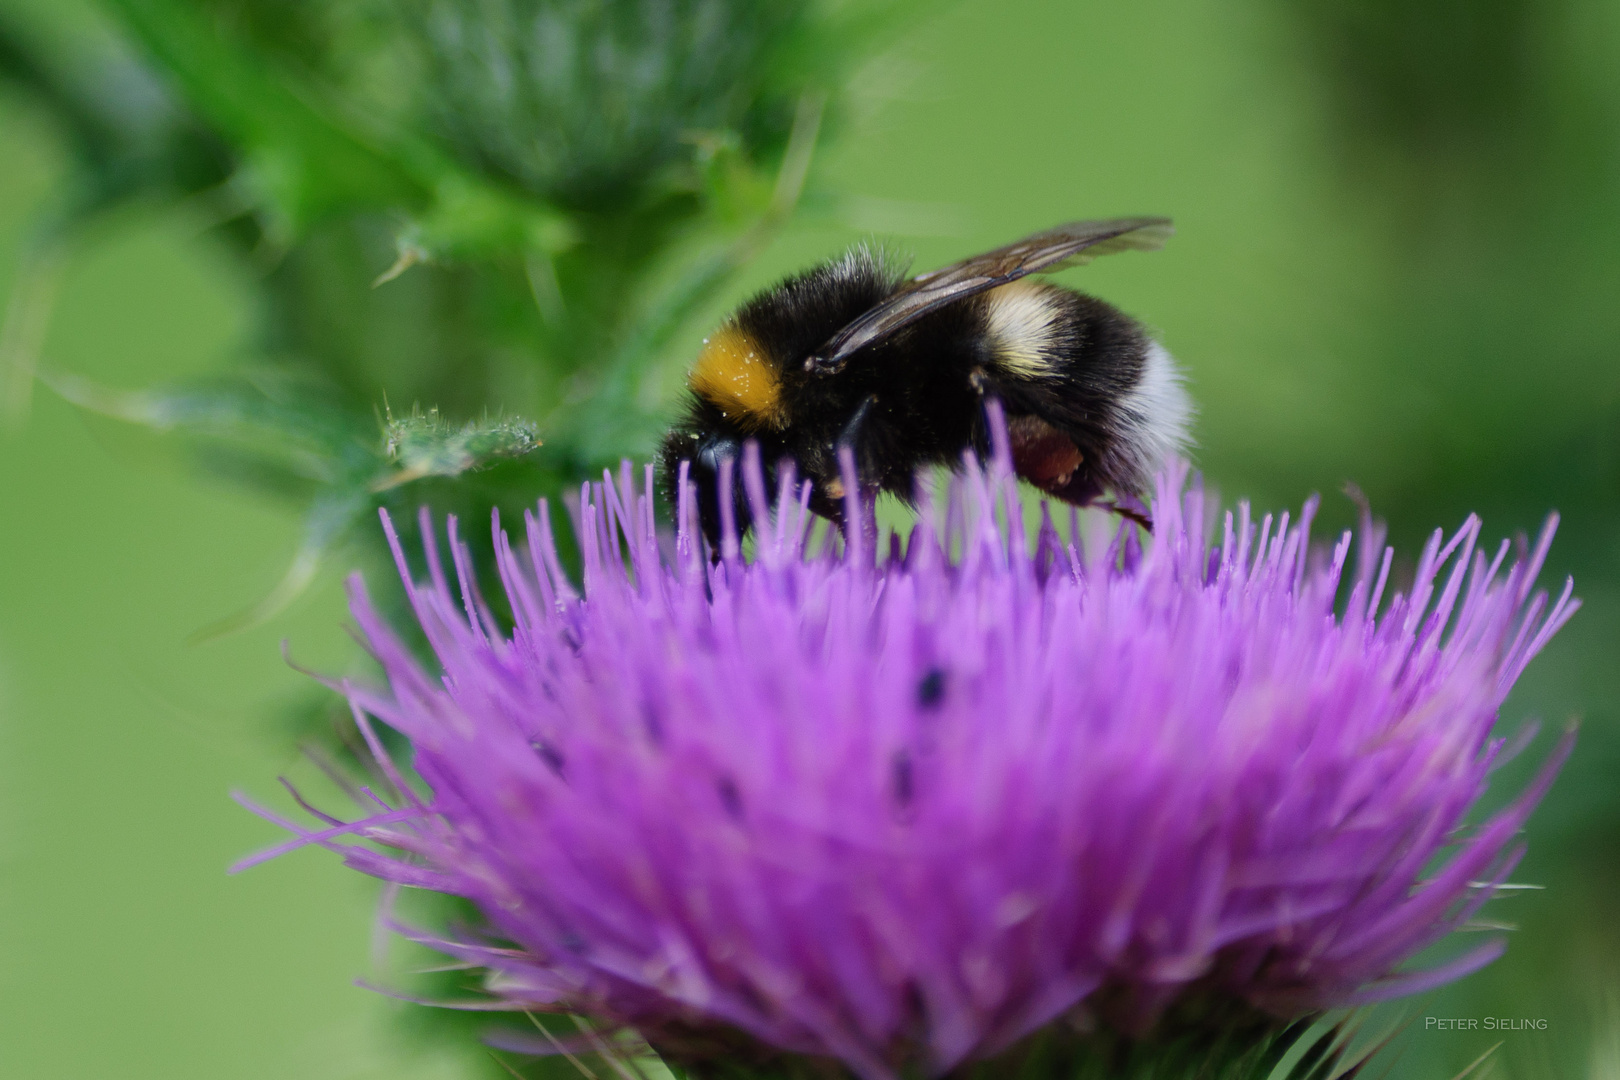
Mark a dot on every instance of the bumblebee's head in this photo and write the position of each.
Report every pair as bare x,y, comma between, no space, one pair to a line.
748,383
706,445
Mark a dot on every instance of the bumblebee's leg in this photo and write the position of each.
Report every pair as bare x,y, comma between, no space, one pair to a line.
1047,456
827,498
1129,513
1083,491
832,487
851,434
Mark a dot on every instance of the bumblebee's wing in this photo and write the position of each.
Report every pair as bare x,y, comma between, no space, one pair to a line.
1067,245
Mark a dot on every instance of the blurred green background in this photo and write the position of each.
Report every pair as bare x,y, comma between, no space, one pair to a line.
1397,263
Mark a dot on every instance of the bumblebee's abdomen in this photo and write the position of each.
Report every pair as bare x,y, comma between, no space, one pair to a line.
1029,328
1089,373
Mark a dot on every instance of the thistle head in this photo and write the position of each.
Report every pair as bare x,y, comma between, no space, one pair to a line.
904,812
593,104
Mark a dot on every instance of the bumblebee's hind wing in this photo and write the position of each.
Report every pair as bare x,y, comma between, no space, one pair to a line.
1066,245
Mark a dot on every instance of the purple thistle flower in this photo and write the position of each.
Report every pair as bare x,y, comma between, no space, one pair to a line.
907,811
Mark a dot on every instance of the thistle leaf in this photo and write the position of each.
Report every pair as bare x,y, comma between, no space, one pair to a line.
307,157
275,432
301,159
425,444
267,417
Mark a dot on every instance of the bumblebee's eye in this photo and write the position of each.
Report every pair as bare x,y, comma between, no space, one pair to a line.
711,452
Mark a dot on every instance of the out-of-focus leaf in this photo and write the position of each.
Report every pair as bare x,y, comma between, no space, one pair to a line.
1331,1047
308,158
116,120
468,219
304,162
277,430
22,332
263,414
85,125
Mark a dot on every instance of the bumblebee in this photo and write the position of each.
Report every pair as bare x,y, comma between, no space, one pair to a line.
853,354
